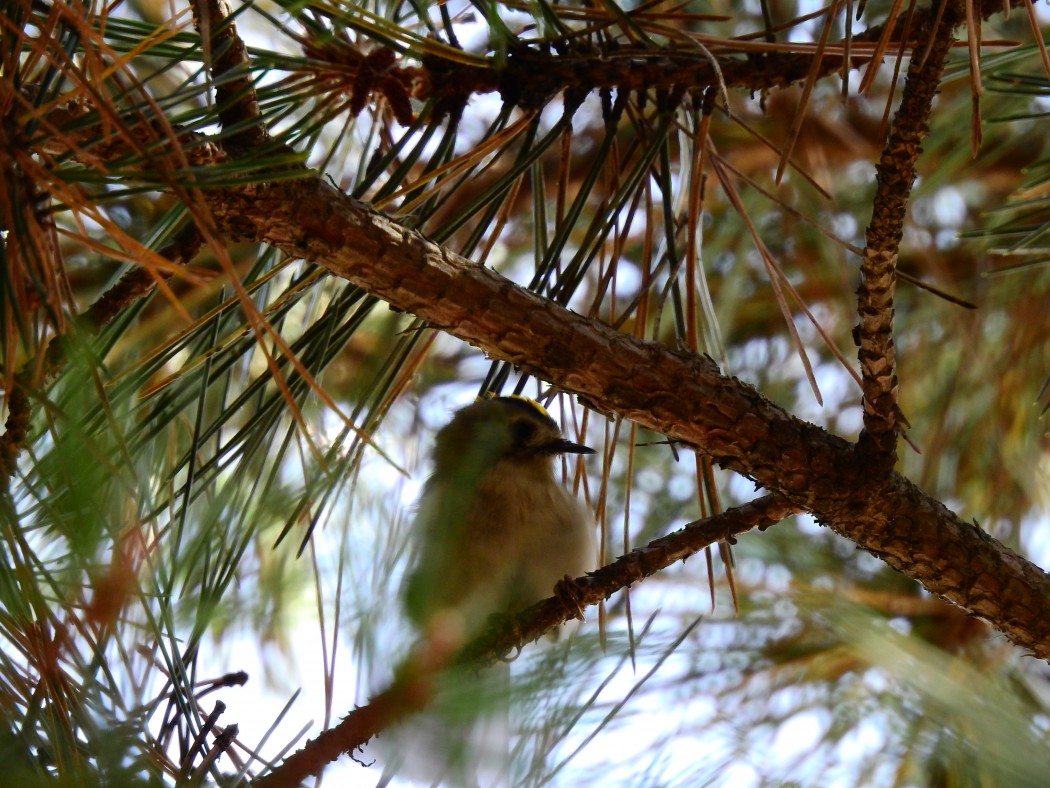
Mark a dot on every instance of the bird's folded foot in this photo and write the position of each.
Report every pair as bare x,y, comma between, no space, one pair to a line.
570,593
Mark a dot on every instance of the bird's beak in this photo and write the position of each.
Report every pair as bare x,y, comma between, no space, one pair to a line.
568,447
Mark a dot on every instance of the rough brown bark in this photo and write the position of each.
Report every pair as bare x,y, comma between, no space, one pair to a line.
895,176
679,394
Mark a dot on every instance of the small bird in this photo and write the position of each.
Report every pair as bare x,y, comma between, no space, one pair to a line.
497,530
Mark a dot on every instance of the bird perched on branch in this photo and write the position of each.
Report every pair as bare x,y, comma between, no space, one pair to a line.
497,530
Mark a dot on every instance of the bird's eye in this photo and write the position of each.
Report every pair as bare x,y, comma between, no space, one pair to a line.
522,432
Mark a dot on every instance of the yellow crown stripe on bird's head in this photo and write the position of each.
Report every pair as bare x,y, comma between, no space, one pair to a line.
525,401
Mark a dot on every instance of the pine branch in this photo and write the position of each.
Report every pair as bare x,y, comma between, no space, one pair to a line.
238,105
411,690
133,286
531,76
681,395
895,176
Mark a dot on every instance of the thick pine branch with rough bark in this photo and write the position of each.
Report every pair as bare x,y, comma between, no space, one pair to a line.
681,395
678,394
